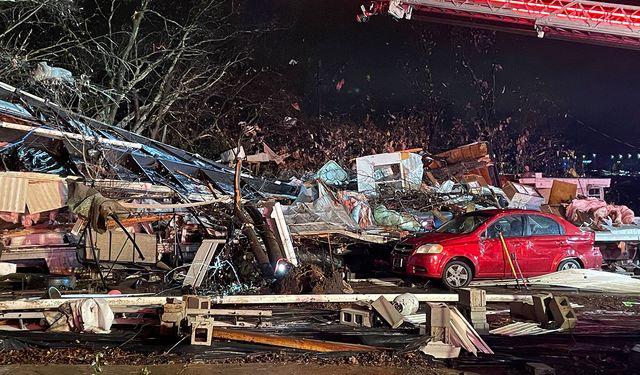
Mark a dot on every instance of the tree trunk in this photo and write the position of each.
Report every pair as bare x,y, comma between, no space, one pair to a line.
268,237
248,229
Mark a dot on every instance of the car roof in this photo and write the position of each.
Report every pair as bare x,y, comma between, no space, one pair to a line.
497,211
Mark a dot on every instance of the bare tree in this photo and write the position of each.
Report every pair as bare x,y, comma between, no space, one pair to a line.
132,63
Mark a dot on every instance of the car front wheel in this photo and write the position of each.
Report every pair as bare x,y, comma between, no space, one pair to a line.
569,264
457,274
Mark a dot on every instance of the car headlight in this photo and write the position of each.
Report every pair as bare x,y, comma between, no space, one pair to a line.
430,248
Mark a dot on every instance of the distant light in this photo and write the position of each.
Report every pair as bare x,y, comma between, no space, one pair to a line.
594,155
611,156
584,156
628,156
620,156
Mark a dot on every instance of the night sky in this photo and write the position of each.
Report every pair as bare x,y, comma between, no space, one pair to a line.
382,64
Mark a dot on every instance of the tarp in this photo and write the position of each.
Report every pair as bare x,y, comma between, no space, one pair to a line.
90,204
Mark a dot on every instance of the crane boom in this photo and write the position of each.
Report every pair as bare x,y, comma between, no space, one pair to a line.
587,21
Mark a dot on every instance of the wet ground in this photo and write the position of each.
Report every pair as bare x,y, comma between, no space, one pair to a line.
607,328
204,369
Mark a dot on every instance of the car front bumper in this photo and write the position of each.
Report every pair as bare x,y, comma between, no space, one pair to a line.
423,265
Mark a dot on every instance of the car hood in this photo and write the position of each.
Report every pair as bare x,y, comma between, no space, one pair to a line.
433,237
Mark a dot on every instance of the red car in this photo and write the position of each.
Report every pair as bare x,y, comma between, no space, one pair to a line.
469,247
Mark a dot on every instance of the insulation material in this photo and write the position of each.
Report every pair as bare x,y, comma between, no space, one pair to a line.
599,213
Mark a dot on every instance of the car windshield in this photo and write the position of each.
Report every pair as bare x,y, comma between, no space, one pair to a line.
464,224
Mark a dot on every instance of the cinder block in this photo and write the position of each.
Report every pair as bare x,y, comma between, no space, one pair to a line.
540,302
438,315
387,312
196,302
202,332
356,317
562,313
436,333
472,297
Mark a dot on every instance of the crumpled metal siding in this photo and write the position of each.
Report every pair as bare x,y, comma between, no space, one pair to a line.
13,194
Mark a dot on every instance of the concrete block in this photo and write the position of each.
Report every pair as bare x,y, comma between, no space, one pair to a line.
440,334
438,315
540,302
202,332
562,313
356,317
472,297
197,303
536,368
387,312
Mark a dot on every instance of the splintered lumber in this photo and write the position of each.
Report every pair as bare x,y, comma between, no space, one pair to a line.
48,304
289,342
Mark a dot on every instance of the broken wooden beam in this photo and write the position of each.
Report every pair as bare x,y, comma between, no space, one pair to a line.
289,342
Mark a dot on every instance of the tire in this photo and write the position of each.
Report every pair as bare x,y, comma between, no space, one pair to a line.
457,274
569,264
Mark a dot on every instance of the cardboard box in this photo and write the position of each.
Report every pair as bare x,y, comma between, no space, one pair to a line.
521,196
562,192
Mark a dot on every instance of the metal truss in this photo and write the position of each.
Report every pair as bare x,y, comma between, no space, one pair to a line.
604,23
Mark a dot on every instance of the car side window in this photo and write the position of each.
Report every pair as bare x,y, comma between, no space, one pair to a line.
543,226
509,226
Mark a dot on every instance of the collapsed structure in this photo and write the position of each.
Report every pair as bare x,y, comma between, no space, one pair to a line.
84,198
93,208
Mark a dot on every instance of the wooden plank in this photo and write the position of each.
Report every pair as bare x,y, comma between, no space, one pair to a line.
45,304
289,342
